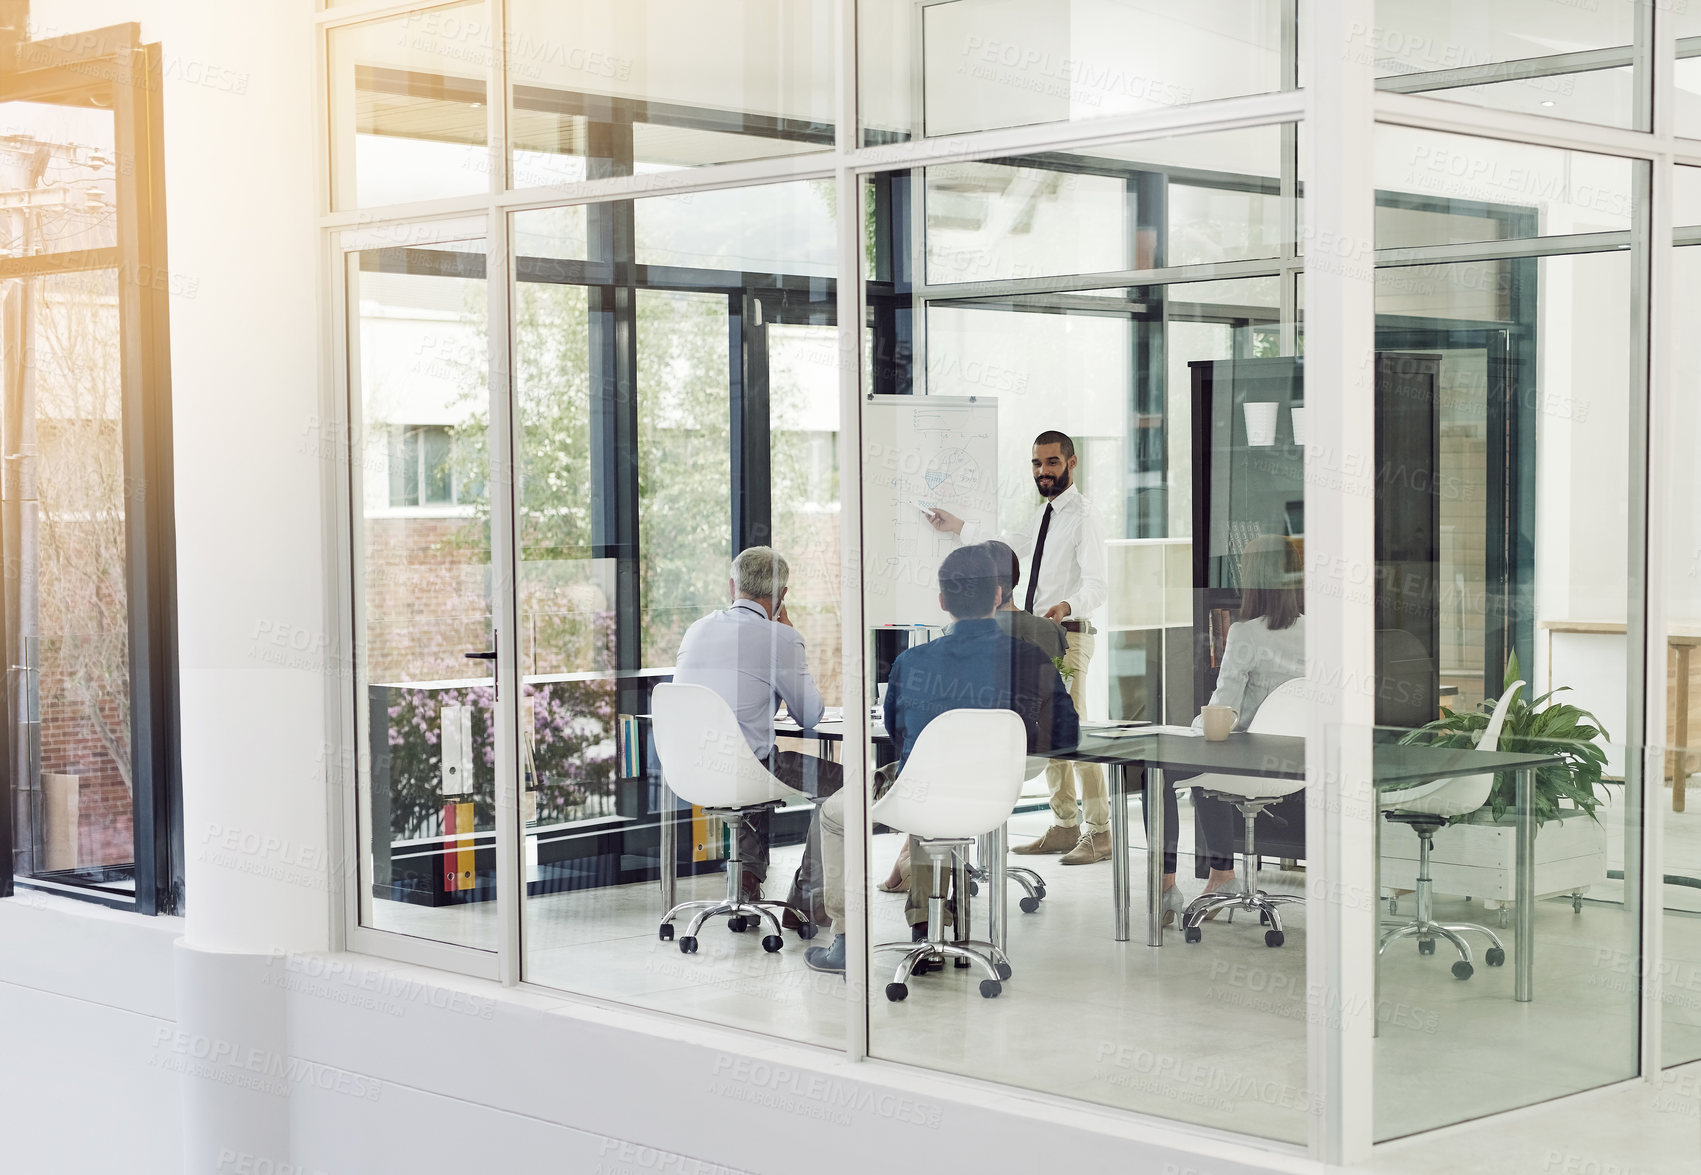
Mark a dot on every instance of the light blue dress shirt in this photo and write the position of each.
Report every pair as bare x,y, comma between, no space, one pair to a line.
754,663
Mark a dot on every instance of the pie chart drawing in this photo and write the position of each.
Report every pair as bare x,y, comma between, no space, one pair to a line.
952,474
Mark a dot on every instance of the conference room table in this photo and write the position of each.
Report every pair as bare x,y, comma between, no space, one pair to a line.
1152,750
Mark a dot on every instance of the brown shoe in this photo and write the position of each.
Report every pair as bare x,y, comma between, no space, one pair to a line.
1093,846
1057,839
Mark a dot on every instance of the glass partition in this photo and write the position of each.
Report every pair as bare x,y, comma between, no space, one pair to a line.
1678,810
407,107
653,85
1576,61
946,67
418,459
1507,401
676,391
1047,375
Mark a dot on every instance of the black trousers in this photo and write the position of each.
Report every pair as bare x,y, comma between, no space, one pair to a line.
814,777
1214,818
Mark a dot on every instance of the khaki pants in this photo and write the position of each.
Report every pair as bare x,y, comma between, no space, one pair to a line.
1061,774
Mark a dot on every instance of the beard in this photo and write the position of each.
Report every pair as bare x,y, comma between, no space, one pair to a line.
1049,488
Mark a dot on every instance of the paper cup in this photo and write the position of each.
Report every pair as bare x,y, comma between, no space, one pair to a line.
1260,423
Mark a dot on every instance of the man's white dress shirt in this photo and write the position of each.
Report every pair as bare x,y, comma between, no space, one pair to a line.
1073,566
754,663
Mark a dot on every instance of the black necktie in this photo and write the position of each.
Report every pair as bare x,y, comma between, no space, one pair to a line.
1039,554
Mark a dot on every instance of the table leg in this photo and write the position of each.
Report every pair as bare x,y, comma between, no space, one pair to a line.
1154,857
1525,941
992,855
1680,768
669,866
1119,848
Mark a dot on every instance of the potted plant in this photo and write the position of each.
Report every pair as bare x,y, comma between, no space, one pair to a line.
1477,854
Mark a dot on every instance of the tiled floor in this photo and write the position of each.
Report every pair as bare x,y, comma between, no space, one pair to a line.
1212,1033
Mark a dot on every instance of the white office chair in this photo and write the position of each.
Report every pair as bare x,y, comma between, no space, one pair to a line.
706,762
962,780
1426,809
1282,712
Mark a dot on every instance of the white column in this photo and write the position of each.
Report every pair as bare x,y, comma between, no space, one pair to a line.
1339,575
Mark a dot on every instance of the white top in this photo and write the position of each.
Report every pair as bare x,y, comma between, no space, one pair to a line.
754,663
1256,661
1073,566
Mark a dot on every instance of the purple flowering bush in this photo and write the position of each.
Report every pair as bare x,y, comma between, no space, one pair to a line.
574,752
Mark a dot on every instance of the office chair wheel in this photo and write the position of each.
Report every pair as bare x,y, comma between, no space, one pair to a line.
688,945
1192,934
772,943
1003,970
974,889
1263,917
961,963
989,989
740,924
1039,891
1576,903
1274,938
666,932
1029,905
806,930
897,992
1426,946
1462,970
1496,957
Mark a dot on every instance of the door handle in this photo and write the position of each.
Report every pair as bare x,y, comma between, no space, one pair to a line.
489,655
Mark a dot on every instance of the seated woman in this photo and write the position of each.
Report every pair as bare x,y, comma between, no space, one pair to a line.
1265,648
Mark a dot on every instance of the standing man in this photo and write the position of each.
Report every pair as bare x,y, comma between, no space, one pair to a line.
751,656
1063,548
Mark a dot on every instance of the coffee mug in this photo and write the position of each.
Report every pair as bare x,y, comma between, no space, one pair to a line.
1218,722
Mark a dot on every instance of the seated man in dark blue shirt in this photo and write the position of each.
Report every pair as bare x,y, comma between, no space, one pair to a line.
974,666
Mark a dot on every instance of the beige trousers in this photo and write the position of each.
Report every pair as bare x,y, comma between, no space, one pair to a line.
1061,774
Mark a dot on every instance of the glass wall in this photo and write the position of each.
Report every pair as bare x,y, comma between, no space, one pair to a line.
1575,61
1505,447
1031,327
678,403
1094,353
1677,809
951,67
418,454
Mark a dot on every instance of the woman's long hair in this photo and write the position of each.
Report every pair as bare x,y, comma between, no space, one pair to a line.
1272,581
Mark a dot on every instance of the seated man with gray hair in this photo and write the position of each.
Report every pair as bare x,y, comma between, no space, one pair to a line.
751,656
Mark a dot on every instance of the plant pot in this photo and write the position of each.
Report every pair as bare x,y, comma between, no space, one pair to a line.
1480,859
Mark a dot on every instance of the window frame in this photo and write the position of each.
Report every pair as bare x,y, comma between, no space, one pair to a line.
114,69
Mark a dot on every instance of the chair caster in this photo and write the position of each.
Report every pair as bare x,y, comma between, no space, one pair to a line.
1192,934
960,963
989,989
688,945
1003,970
736,925
1462,970
1274,938
1039,892
974,889
1496,957
1263,917
897,992
666,932
1576,903
1029,905
1505,915
1426,946
772,943
806,930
